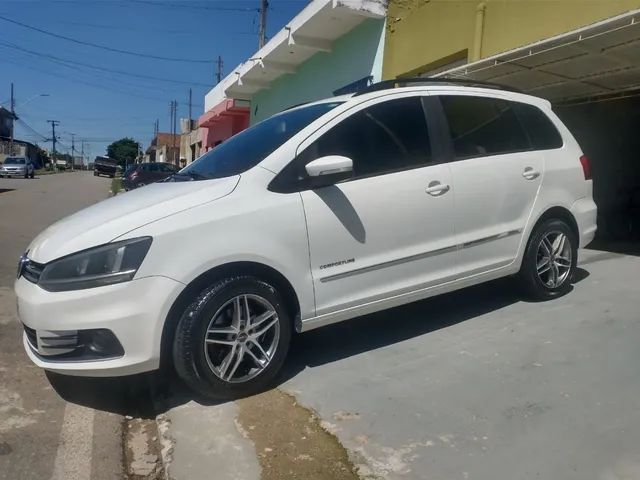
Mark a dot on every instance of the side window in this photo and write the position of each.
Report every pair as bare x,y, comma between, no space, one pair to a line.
165,168
543,133
382,138
152,167
482,126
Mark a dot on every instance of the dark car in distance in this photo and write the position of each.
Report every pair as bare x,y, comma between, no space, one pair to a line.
105,166
145,173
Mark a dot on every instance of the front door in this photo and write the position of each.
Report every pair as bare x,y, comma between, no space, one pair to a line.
389,230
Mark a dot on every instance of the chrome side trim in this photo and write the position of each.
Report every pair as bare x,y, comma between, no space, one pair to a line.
491,238
419,256
404,296
390,263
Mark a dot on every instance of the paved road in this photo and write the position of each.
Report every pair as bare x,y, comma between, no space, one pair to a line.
476,384
41,435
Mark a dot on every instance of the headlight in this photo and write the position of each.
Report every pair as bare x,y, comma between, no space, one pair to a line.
112,263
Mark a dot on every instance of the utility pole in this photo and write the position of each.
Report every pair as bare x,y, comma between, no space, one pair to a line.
219,69
73,150
174,110
53,140
13,118
262,33
189,109
82,152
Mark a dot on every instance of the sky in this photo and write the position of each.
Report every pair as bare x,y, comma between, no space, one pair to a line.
102,95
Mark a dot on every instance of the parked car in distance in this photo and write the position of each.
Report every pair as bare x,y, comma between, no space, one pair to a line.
105,166
61,164
146,173
324,212
17,167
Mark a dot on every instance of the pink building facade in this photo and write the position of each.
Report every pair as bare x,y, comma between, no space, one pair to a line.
222,122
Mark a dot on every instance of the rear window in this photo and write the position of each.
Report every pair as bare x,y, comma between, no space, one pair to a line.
543,133
482,126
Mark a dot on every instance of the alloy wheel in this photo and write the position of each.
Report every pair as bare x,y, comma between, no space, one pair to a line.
554,261
241,338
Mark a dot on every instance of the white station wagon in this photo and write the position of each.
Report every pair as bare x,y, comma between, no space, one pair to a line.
321,213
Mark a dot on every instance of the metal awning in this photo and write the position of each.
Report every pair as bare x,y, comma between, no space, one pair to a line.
592,61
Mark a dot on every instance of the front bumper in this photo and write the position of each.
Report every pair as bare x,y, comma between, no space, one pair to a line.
13,173
133,311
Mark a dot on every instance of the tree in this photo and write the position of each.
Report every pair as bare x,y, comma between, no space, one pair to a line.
123,151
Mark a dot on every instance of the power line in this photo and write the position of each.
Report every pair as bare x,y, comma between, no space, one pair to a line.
30,128
95,67
77,80
199,7
103,47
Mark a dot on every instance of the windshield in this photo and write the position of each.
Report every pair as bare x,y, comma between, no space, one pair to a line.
14,161
248,148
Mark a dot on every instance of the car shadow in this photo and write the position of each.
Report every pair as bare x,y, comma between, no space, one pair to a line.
147,395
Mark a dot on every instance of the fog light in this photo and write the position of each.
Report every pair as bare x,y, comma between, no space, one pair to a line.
102,342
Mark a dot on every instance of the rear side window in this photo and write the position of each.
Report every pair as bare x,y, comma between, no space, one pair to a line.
543,133
482,126
385,137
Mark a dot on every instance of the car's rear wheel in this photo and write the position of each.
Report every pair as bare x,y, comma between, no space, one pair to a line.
549,260
233,339
32,175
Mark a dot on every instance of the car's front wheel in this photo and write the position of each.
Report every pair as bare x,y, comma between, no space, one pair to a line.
233,339
549,260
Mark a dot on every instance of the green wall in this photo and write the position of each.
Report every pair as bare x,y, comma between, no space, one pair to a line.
353,56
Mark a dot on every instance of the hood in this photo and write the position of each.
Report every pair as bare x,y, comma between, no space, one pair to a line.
105,221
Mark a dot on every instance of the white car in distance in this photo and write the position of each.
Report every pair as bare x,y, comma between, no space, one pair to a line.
319,214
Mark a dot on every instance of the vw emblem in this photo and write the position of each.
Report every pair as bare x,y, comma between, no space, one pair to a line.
22,263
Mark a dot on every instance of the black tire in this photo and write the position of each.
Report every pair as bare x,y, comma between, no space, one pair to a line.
33,175
189,357
26,176
531,282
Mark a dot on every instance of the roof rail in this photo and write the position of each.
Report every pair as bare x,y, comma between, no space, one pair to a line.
405,82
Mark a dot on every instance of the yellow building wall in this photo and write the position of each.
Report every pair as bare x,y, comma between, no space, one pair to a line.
426,34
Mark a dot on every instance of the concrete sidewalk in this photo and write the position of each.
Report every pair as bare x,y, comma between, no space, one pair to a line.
472,385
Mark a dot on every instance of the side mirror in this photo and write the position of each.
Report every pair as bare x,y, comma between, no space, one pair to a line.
328,170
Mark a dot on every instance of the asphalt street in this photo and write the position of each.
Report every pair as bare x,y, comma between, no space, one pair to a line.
475,384
41,435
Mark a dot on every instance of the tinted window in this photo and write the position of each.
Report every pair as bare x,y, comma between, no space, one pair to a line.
483,126
167,168
248,148
541,131
385,137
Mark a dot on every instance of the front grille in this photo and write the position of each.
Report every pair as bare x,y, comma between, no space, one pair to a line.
32,271
32,337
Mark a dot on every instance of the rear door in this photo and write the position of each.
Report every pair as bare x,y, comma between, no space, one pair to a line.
496,179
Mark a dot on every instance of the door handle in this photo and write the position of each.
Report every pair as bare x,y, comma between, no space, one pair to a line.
530,174
436,188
